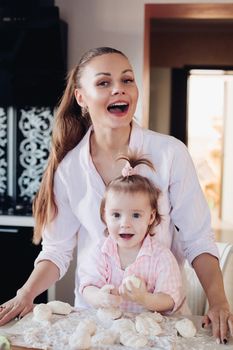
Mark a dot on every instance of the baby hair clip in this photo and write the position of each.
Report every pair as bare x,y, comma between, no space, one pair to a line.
128,170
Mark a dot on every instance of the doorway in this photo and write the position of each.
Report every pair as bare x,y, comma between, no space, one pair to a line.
209,113
178,38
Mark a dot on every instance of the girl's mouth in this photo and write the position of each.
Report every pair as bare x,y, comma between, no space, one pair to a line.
126,236
118,107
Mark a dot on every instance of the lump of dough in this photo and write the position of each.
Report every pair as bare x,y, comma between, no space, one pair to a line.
80,340
110,313
156,316
134,280
133,339
59,307
122,325
87,325
147,326
42,313
105,337
186,328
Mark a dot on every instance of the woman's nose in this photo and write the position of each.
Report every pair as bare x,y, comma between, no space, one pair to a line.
118,90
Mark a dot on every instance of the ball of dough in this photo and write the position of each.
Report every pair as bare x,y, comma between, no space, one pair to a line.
156,316
59,307
80,340
186,328
134,280
87,325
133,339
105,337
42,313
110,313
147,326
123,324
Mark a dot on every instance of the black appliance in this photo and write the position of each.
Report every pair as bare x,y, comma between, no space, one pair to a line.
32,80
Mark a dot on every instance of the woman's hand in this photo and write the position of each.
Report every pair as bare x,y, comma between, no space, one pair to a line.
19,306
136,295
221,320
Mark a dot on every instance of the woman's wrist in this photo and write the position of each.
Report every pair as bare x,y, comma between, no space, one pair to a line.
26,292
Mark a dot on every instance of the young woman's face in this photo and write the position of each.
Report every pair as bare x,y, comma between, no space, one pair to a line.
127,217
108,90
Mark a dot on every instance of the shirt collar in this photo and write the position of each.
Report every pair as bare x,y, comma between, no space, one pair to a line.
109,247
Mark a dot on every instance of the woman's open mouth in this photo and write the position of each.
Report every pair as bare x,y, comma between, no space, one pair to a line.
118,108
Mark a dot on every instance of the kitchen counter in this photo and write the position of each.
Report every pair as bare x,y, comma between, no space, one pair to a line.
16,220
30,334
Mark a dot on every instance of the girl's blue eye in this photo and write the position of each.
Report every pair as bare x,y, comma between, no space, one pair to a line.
136,215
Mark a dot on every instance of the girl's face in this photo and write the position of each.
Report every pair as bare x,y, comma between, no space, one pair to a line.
108,90
127,217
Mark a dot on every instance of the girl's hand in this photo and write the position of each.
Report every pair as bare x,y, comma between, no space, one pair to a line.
108,296
135,294
18,306
221,320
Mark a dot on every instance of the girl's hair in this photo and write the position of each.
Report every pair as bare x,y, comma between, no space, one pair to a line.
70,126
133,184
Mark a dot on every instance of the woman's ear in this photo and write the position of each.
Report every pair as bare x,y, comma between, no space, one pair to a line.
79,97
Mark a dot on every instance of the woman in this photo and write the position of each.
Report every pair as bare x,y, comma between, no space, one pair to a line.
82,162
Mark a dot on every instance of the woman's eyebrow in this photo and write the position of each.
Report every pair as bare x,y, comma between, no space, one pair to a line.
109,74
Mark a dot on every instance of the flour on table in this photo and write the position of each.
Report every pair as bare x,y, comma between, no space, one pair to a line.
58,334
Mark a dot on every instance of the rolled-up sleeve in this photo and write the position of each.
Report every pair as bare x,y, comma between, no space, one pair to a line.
168,278
94,271
60,236
189,209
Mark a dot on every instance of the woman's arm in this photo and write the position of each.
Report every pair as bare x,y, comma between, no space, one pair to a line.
42,277
209,273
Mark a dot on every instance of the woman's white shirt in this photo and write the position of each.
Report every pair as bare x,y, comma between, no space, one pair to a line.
79,188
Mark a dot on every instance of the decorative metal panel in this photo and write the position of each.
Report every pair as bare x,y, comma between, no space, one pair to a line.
3,151
33,144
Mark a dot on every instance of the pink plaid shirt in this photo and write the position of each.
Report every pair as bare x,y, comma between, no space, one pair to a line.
155,264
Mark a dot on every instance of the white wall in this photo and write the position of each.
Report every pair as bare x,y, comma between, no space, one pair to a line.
227,189
119,24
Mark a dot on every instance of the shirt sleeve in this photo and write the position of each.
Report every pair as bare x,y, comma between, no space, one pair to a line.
190,212
168,278
94,270
60,236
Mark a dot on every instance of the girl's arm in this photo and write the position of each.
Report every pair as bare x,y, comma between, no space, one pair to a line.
160,302
42,277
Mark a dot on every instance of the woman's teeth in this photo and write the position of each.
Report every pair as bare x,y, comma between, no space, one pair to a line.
118,107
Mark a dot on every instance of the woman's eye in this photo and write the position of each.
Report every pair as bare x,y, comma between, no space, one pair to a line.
136,215
103,83
116,215
128,80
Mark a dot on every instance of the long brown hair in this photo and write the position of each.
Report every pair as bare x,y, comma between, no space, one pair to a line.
133,184
69,128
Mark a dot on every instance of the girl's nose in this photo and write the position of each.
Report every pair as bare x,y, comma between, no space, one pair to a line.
125,223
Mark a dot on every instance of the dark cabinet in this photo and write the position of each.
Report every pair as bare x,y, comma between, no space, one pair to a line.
17,256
